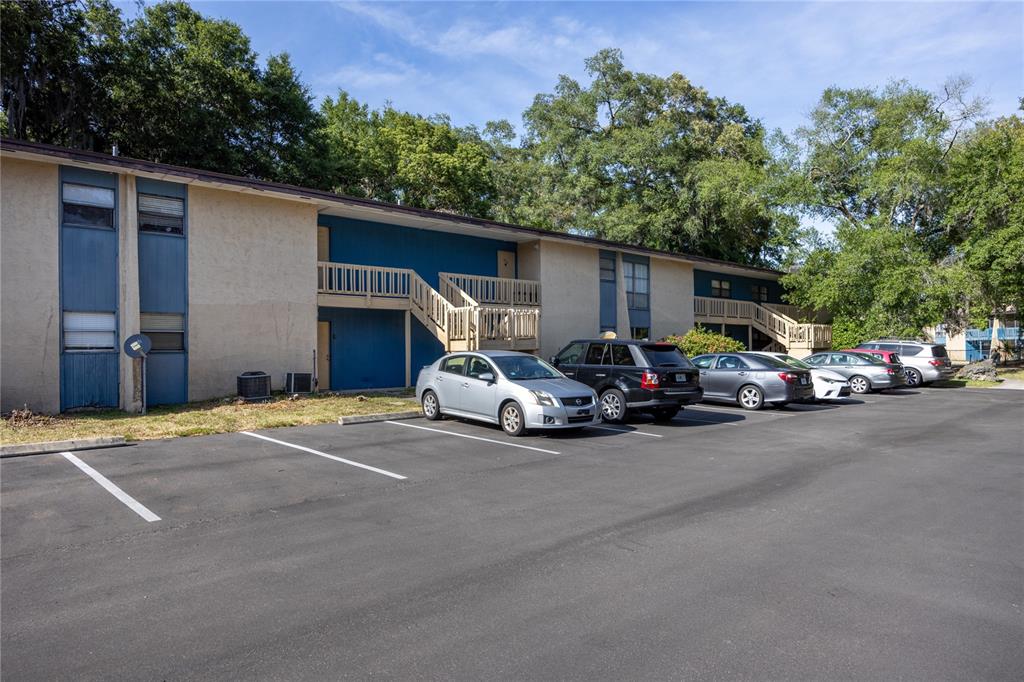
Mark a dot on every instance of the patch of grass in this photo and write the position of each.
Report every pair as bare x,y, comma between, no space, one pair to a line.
198,419
964,383
1011,373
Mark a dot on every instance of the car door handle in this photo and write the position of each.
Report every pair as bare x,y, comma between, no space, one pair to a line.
465,385
742,374
703,374
600,375
570,374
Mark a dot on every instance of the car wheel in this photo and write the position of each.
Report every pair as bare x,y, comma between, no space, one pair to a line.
613,406
431,408
512,420
859,384
665,414
750,397
914,377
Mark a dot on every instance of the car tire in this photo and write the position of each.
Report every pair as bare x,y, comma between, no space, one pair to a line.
860,385
914,378
665,414
613,406
513,421
750,397
431,406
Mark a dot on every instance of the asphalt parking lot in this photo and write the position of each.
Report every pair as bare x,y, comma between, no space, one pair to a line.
877,539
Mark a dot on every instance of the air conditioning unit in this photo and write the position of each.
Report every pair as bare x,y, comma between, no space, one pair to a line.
254,386
298,382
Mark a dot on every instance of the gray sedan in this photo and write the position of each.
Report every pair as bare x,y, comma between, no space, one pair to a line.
865,372
751,380
516,390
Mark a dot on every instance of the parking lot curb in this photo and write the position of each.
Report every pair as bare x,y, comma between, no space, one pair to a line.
26,449
383,416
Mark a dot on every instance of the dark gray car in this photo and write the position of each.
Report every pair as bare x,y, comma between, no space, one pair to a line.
751,380
865,372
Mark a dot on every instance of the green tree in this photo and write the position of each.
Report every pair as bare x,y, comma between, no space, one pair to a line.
875,163
648,160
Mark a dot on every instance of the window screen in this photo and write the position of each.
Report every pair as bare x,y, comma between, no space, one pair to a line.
90,331
87,206
165,330
161,214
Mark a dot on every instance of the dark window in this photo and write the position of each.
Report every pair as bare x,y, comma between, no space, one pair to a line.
621,356
161,214
731,362
664,355
454,365
596,354
759,293
607,269
888,346
637,277
909,350
165,330
640,333
721,288
477,366
938,351
87,206
571,354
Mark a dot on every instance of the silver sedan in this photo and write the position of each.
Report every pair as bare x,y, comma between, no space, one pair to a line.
516,390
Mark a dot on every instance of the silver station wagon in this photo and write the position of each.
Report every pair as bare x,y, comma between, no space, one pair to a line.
520,392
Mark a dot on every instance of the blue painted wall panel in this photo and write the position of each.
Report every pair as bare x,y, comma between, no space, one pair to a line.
88,269
88,380
425,251
165,374
425,348
162,285
740,285
367,347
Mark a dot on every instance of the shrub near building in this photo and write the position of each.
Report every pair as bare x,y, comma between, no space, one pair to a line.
698,341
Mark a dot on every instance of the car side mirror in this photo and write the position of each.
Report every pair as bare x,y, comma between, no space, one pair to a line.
554,360
487,376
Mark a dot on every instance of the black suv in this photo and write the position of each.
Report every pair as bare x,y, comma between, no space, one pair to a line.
640,376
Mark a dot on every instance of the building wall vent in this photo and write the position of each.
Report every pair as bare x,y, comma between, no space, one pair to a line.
298,382
254,385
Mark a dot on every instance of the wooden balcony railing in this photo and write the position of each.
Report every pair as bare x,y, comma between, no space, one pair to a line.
770,320
495,290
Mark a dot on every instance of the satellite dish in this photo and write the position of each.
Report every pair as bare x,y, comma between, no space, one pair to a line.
137,346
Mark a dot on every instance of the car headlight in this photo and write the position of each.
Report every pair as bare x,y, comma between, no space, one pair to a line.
543,398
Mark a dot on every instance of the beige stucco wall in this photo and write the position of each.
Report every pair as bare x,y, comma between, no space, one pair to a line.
528,260
570,294
29,286
251,289
671,297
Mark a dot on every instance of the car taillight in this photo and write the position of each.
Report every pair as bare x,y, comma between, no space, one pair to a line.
890,370
935,363
788,377
649,379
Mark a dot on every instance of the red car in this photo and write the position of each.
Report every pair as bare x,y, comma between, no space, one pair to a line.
889,356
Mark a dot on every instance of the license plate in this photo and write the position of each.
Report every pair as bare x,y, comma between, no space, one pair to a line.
803,379
582,412
681,378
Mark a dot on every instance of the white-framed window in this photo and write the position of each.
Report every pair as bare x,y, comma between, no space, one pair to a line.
87,206
165,215
637,277
721,288
759,293
90,331
166,331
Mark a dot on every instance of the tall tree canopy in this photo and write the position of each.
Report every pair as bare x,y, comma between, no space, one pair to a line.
916,196
647,160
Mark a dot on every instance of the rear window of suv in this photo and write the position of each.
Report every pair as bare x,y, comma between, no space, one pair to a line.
664,355
938,351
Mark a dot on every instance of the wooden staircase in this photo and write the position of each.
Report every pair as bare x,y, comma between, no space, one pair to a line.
456,319
791,335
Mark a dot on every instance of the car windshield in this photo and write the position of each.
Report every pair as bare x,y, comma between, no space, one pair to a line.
665,355
524,367
793,362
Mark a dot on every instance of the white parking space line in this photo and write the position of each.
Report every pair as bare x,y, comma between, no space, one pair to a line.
629,431
466,435
324,454
127,499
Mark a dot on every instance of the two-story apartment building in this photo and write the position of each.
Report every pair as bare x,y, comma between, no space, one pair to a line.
227,274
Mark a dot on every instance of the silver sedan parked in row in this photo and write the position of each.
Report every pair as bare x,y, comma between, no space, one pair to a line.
752,379
864,372
516,390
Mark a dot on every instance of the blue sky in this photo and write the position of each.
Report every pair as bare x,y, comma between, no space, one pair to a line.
484,61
